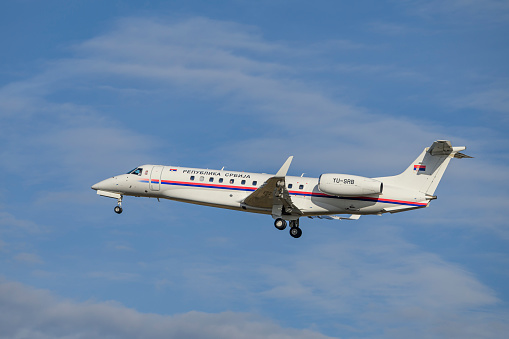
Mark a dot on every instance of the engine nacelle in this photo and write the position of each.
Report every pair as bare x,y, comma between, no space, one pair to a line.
347,185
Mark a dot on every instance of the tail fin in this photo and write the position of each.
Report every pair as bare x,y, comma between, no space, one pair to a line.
425,172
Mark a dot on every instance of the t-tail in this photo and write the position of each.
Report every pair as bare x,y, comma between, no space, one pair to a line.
424,174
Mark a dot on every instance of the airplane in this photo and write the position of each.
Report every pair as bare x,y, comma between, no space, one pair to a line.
288,198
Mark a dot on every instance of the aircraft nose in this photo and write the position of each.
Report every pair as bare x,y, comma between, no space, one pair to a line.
104,185
97,186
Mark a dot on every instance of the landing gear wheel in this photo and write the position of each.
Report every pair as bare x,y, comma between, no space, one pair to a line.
295,232
280,224
118,209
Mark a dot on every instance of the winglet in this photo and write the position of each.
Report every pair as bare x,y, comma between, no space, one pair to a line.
284,169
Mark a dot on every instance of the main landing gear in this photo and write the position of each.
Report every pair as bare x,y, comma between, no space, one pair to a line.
295,231
280,224
118,209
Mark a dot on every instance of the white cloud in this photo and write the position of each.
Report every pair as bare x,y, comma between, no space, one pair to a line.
392,285
253,78
380,281
481,10
28,312
119,246
115,276
214,59
56,142
390,28
29,258
495,99
387,71
10,223
361,278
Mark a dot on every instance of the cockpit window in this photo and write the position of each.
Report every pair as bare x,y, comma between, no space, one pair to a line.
136,171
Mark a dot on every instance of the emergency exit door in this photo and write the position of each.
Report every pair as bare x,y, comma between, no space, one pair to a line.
155,178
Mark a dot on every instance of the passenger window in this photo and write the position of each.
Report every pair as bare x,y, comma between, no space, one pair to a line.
290,185
220,180
301,187
254,183
211,179
243,182
192,178
232,181
202,178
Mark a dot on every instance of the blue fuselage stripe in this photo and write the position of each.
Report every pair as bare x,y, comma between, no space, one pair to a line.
304,194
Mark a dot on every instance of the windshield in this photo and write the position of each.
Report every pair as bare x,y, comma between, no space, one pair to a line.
136,171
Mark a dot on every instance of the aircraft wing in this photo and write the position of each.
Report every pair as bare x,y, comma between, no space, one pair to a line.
273,194
336,217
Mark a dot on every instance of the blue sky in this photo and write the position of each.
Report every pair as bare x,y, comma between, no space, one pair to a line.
90,89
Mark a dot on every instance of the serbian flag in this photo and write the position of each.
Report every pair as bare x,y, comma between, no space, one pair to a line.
419,168
173,170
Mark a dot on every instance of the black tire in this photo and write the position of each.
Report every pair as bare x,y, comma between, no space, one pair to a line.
280,224
295,232
118,209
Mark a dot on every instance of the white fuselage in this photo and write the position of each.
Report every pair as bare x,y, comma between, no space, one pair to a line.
228,189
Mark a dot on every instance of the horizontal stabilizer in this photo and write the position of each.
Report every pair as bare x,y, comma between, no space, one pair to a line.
462,156
444,147
441,147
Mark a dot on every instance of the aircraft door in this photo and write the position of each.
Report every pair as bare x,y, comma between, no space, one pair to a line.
155,178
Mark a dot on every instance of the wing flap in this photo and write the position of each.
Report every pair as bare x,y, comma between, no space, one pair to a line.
273,195
263,196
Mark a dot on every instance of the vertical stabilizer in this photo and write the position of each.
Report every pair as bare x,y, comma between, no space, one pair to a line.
425,172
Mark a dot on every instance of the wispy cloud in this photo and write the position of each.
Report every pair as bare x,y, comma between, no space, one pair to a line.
481,10
388,71
114,276
119,246
38,314
198,57
389,28
367,278
382,277
65,130
29,258
214,59
496,99
11,223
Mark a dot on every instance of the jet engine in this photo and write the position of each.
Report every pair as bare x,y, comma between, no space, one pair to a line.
348,185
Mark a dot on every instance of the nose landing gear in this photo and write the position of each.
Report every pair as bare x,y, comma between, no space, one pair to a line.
118,209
